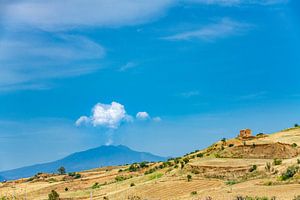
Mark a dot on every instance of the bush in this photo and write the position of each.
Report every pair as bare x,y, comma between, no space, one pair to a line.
298,161
231,182
134,167
132,184
289,173
200,155
96,185
277,161
253,168
296,125
143,164
186,160
189,177
66,189
231,145
77,176
53,195
150,171
294,145
193,192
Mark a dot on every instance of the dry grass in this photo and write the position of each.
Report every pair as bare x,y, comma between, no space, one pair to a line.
171,183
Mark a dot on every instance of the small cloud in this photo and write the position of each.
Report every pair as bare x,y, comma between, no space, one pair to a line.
142,116
106,115
157,119
189,94
224,28
253,96
83,120
127,66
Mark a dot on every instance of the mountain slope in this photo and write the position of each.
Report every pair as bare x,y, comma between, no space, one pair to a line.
92,158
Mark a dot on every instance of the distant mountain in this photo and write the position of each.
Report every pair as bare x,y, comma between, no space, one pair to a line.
92,158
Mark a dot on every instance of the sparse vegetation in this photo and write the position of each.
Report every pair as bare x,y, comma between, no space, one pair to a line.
254,198
122,178
296,197
231,182
132,184
96,185
231,145
193,192
277,161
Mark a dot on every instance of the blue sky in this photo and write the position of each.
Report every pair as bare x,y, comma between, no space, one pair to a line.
181,73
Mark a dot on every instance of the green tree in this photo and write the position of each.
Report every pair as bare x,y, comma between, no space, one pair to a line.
61,170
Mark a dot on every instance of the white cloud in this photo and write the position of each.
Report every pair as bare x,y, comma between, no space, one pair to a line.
221,29
142,116
128,66
83,120
26,62
157,119
57,14
105,115
238,2
189,94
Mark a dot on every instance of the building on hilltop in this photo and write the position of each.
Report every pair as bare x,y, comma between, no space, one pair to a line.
245,133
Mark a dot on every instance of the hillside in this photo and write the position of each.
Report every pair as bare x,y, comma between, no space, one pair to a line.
92,158
261,166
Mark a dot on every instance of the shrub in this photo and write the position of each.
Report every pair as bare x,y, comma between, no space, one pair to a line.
223,140
231,145
298,161
289,173
294,145
96,185
277,161
253,168
150,171
132,184
143,164
186,160
193,192
53,195
133,168
77,176
200,155
66,189
296,125
189,177
231,182
120,178
51,180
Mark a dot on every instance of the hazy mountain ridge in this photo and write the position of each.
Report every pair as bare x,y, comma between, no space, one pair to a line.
92,158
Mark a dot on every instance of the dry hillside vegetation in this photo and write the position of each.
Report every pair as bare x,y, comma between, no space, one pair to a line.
266,166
